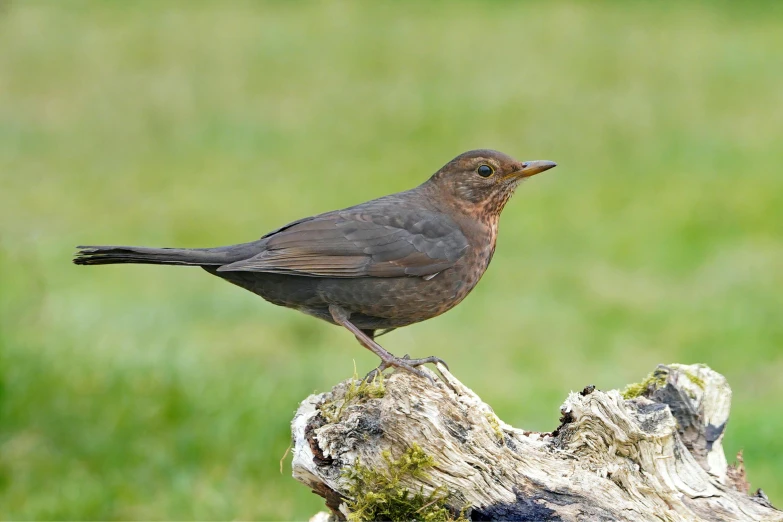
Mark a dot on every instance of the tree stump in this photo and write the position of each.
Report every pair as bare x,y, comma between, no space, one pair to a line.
403,449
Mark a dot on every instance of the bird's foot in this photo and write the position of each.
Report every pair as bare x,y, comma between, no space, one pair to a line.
407,364
365,337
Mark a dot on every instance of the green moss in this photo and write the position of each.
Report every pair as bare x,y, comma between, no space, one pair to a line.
695,379
493,422
358,390
655,380
379,493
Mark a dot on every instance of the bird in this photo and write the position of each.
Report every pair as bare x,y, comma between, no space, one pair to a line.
374,267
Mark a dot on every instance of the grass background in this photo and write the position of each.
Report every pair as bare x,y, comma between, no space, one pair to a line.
137,392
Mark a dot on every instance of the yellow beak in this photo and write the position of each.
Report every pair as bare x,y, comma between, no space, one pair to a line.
531,168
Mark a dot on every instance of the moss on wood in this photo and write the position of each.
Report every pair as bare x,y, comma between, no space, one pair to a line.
357,391
379,493
653,381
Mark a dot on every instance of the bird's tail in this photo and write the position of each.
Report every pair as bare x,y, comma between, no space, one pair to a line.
108,255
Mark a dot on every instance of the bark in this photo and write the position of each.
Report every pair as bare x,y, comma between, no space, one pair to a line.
656,455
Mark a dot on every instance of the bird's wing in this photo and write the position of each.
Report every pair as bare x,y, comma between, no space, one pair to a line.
361,243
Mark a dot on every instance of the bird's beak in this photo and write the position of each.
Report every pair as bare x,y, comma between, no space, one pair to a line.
531,168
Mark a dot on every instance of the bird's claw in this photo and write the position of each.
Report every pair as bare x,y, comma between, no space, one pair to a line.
426,360
407,364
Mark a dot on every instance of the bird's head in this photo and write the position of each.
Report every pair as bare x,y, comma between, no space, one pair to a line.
482,181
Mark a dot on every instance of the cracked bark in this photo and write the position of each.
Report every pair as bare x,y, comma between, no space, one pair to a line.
655,457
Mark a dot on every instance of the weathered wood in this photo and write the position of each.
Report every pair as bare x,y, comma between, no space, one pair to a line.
655,456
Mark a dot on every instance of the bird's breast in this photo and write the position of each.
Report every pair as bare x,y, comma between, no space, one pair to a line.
467,272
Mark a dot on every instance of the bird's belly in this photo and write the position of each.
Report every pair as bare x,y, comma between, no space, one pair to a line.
400,301
392,302
373,302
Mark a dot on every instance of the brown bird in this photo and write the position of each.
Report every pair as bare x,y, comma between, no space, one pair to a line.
380,265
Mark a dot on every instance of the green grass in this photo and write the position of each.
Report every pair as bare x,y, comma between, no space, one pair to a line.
137,392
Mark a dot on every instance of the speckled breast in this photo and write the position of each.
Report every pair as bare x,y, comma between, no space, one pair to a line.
396,302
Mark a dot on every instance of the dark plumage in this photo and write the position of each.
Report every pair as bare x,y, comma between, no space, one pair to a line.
383,264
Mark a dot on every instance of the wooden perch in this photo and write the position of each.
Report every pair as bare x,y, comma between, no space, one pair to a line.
441,453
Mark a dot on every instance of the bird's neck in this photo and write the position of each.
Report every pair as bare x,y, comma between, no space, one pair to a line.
487,211
481,218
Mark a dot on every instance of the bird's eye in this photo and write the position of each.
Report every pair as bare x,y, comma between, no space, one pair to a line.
485,171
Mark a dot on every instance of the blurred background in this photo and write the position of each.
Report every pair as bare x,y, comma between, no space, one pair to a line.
141,392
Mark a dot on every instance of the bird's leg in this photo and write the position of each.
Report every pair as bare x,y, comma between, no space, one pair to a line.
407,358
372,374
388,360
